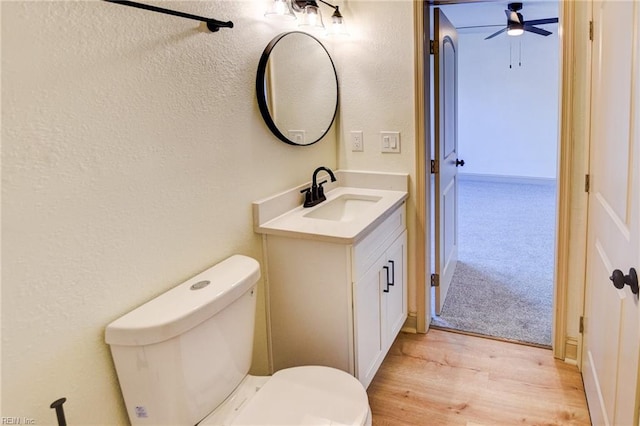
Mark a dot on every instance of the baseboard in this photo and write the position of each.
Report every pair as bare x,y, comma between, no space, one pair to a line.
571,350
410,324
531,180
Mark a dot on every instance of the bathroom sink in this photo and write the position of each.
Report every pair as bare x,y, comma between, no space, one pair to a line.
346,216
343,208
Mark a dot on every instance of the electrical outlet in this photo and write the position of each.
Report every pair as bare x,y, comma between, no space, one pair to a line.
357,142
390,142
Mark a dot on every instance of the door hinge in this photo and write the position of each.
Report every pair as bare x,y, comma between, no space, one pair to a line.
581,328
434,166
587,183
435,280
433,47
591,30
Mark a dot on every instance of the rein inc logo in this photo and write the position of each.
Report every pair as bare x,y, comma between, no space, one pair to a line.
17,421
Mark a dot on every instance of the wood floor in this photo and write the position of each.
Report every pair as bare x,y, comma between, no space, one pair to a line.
445,378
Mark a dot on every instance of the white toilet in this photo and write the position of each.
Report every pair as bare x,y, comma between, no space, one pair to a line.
183,358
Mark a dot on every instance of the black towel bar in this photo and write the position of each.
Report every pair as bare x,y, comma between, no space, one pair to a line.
212,24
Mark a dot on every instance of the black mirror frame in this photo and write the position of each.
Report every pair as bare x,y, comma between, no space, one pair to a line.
262,95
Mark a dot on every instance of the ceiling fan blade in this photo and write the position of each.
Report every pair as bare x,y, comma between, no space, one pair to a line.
512,16
470,27
536,30
496,33
541,21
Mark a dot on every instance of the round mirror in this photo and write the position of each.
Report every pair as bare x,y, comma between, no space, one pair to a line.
297,88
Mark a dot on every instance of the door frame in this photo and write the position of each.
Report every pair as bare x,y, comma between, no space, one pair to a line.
572,167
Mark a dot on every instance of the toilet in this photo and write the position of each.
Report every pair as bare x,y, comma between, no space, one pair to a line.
183,359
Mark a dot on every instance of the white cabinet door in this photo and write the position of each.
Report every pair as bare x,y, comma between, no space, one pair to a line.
368,319
394,289
380,308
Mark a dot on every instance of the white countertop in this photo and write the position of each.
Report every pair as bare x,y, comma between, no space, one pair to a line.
295,224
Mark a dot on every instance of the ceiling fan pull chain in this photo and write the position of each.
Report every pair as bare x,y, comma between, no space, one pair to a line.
520,53
510,49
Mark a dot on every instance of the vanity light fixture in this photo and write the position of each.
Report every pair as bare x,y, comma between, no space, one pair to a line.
338,28
311,16
280,9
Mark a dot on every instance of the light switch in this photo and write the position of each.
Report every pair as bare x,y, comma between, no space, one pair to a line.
385,142
390,142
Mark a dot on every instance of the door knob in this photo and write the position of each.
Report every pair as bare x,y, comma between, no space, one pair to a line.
619,280
459,163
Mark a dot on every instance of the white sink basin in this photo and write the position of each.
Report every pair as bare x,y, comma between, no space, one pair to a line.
344,208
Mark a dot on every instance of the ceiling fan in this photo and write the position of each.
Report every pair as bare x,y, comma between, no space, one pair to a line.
516,25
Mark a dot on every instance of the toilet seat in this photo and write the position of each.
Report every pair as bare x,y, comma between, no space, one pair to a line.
309,396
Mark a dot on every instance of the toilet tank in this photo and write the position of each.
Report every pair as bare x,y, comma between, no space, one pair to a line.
181,354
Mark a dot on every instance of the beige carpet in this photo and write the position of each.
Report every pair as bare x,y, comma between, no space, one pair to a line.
503,283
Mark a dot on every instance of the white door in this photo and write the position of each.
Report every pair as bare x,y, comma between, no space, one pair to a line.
446,153
611,333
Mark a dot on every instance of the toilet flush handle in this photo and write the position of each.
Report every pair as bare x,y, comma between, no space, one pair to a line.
57,404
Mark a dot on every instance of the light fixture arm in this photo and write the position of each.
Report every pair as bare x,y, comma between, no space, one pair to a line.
336,10
328,4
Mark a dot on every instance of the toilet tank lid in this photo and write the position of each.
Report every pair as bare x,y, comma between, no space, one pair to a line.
182,308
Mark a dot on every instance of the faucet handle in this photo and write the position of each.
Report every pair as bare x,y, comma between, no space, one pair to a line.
320,193
307,196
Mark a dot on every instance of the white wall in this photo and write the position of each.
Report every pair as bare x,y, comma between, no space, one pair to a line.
376,70
508,117
132,148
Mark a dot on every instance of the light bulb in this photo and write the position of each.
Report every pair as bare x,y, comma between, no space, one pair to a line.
280,9
311,17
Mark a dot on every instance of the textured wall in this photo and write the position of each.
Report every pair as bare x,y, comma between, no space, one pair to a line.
376,68
132,148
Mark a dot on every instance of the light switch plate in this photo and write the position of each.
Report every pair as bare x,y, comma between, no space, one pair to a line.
390,142
297,136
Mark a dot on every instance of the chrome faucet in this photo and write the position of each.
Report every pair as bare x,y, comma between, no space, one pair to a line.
315,194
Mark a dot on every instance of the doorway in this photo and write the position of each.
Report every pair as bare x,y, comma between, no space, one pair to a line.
507,134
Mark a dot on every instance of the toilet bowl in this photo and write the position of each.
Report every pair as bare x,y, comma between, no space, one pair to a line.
183,359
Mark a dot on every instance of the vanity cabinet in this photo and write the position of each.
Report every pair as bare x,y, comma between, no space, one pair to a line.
334,303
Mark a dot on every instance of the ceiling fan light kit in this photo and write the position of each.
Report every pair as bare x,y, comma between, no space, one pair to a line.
515,29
